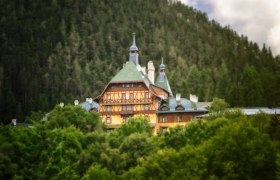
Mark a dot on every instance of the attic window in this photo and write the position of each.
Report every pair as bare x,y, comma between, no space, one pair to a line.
93,109
180,107
164,107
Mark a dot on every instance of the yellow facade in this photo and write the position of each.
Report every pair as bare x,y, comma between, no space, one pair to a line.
119,102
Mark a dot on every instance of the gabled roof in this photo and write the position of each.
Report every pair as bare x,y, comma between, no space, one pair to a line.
128,73
164,84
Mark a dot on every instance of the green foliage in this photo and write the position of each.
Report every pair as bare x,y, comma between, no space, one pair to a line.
96,172
232,146
73,115
136,146
278,166
138,124
193,134
218,105
252,89
240,151
63,50
7,167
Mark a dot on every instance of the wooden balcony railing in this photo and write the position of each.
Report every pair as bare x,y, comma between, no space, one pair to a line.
128,112
123,112
117,89
126,101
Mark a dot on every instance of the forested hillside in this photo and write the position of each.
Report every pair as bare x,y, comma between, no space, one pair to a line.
54,51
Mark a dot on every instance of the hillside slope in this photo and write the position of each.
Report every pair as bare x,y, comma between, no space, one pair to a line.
54,51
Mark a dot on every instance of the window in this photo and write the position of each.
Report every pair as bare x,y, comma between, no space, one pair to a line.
146,107
108,120
163,119
123,96
146,95
125,119
108,96
179,119
127,85
108,108
163,129
131,96
127,107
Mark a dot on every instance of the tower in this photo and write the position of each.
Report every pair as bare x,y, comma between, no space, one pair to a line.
161,77
133,52
162,80
151,72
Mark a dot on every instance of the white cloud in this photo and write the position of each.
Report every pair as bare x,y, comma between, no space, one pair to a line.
257,19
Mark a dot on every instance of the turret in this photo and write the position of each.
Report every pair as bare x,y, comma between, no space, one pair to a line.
133,52
161,72
162,79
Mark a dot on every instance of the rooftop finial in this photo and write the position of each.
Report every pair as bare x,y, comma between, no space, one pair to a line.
134,43
162,65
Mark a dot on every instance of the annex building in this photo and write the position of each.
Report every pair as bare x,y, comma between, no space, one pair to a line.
134,91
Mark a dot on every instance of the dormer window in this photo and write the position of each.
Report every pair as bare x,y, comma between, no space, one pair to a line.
179,107
164,107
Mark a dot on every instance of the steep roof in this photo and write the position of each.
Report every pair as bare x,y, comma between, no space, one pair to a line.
162,82
128,73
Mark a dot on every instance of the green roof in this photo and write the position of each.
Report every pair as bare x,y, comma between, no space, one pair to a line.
128,73
164,84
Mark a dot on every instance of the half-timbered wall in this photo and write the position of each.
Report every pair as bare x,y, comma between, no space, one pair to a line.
121,101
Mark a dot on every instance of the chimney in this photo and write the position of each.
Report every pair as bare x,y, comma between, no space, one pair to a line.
90,100
193,98
61,104
151,72
14,122
178,98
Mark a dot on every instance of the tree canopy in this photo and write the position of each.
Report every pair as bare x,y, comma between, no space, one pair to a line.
232,146
55,51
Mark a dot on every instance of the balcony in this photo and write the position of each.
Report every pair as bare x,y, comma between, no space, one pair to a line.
126,112
126,101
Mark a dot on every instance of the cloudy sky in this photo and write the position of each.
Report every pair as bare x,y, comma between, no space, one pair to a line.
257,19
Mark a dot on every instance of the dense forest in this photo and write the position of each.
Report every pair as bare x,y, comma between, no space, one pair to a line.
72,144
54,51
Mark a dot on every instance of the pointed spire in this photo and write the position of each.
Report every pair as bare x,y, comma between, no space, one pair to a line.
133,52
162,65
134,42
133,47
